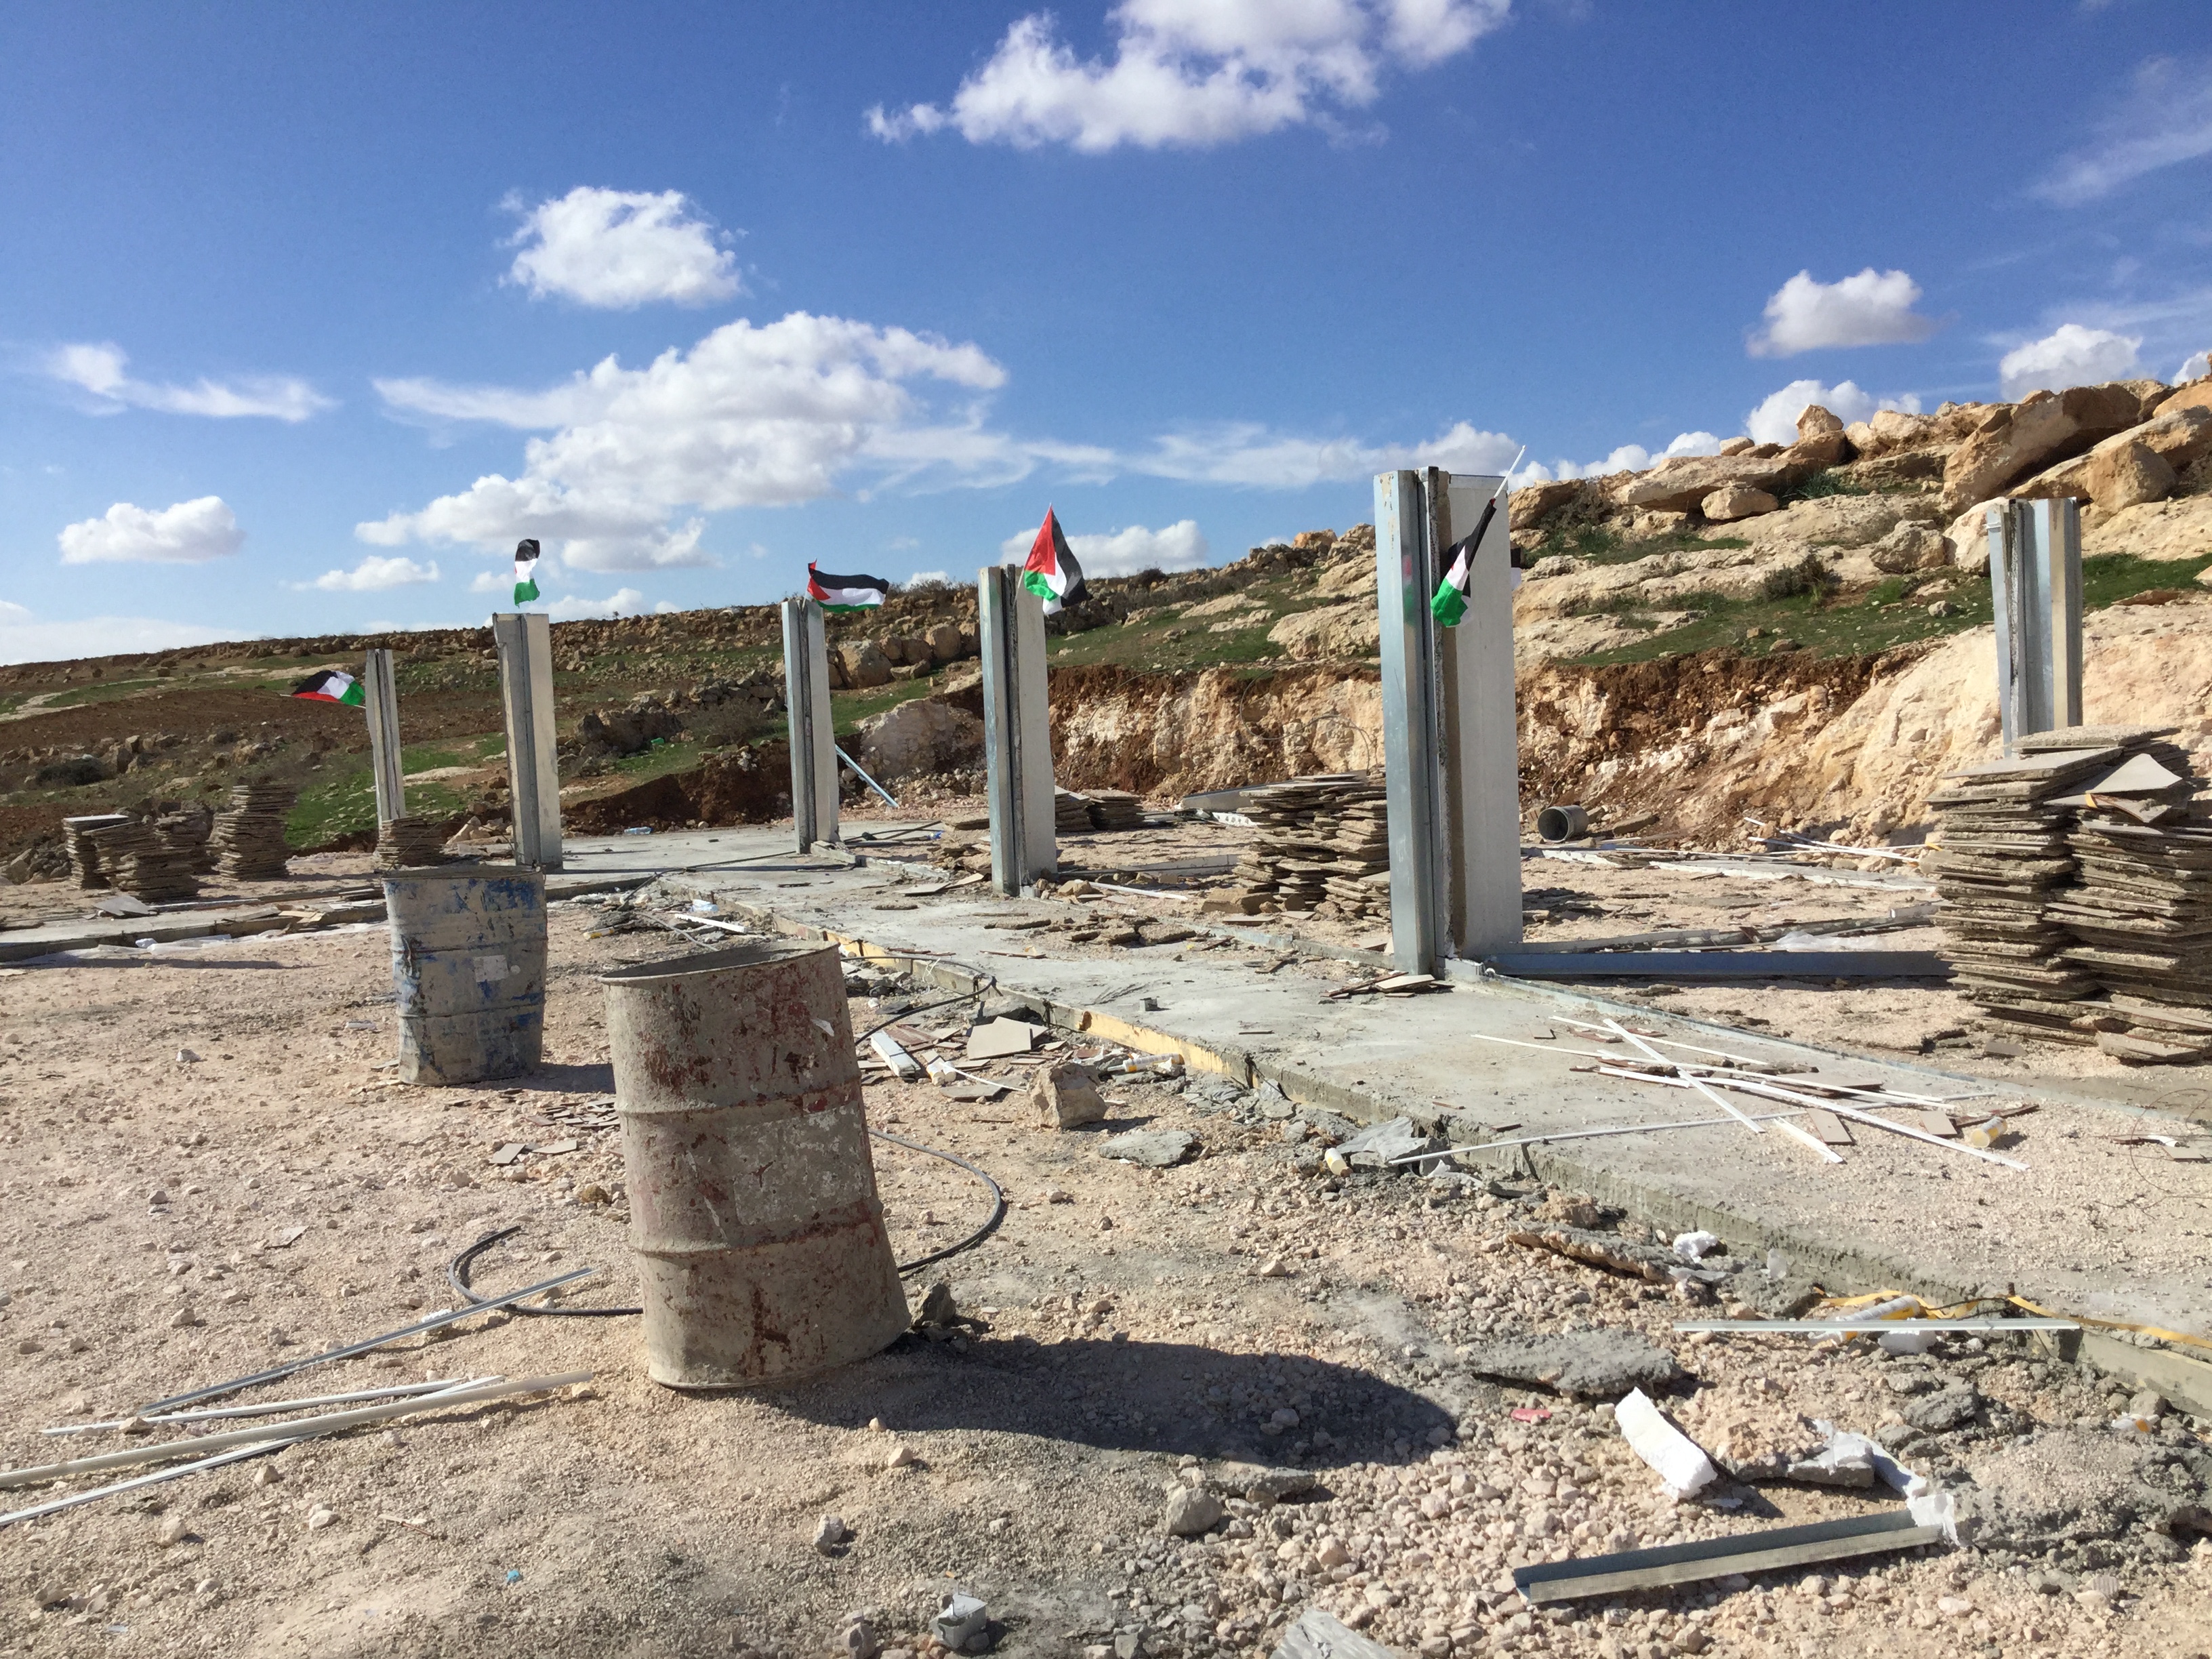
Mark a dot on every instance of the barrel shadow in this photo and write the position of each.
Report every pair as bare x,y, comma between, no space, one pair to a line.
1152,1397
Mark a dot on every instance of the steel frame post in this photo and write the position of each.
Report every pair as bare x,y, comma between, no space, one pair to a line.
1016,730
382,696
812,728
2035,591
1412,773
526,677
1478,732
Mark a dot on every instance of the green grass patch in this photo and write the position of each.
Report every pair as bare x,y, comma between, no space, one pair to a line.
106,691
1826,482
342,801
848,709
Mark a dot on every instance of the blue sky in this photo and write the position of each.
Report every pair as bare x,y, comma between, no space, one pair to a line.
306,316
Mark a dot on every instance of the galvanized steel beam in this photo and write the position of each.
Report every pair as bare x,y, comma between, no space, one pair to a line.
2035,589
382,697
525,679
1016,730
813,741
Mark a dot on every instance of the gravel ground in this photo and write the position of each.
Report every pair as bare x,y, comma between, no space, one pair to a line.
1139,1330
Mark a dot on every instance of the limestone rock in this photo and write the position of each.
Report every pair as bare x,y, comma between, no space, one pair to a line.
2129,475
1738,446
1943,1411
1192,1511
1067,1096
1338,631
2013,441
1314,541
924,736
2197,394
1531,504
2180,527
1679,484
1375,1146
863,663
1911,547
1820,437
945,643
1736,501
1153,1149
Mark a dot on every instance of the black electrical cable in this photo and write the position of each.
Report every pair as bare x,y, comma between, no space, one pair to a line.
457,1270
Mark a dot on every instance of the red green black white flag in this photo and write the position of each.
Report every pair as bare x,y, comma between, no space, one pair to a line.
1051,571
525,571
845,593
330,685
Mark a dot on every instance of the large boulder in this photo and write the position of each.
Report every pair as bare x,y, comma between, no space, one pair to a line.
1532,504
920,737
1820,437
945,642
1681,484
2013,441
862,663
2128,476
2197,394
1910,547
2180,527
1353,629
626,731
1734,503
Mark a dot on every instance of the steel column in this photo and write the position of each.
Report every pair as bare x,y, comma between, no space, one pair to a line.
1016,730
525,678
1480,735
1404,581
813,732
2035,590
381,696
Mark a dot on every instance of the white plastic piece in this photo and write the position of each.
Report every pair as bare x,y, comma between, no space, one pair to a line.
1685,1469
943,1073
1694,1247
903,1065
1906,1341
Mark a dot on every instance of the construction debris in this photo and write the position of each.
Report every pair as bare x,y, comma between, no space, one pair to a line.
248,839
1586,1365
410,843
1679,1460
1323,846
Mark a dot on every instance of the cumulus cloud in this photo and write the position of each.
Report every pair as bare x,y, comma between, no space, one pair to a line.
921,576
1178,546
1872,308
24,638
190,533
617,250
2193,368
1628,457
1775,419
2070,355
749,417
2164,120
102,370
373,574
623,602
1195,73
1255,456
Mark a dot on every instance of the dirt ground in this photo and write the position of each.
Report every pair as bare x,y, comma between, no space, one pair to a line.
170,1222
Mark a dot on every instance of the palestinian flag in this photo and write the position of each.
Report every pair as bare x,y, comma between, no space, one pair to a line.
525,571
331,685
1051,571
844,592
1449,604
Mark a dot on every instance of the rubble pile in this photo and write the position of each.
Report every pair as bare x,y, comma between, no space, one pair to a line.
249,834
1998,850
83,853
133,858
1321,839
408,843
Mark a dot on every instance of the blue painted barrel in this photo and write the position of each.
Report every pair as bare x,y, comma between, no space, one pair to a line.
468,959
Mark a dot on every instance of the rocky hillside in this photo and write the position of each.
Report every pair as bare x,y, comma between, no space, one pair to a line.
1799,632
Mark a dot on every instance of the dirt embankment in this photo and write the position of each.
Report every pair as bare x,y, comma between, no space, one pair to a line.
1174,733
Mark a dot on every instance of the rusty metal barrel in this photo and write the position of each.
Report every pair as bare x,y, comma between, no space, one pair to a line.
468,960
754,1219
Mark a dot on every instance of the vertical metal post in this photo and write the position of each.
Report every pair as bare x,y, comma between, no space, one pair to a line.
813,732
525,678
1016,730
1404,582
381,696
1479,737
2035,589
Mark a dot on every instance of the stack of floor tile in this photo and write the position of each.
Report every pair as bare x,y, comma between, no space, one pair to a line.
1319,837
249,834
2141,912
1998,853
1115,808
83,852
134,858
1070,813
410,843
184,832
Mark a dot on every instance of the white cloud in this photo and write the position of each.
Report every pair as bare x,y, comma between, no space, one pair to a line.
187,533
929,577
2193,368
2166,119
492,581
23,638
2070,355
772,415
373,574
1872,308
573,607
618,250
1775,419
1178,546
100,370
1254,455
1195,72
